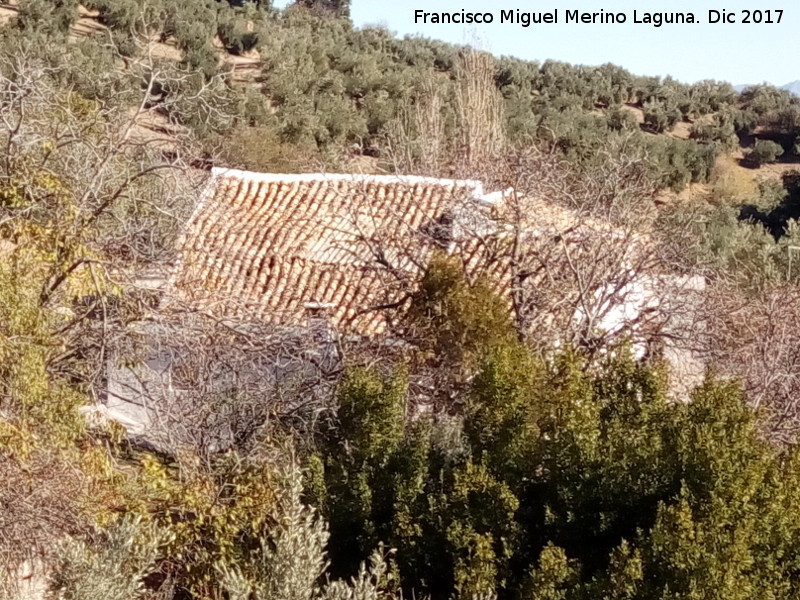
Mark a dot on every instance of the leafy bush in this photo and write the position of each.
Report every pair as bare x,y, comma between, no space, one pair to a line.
111,565
291,561
659,116
720,130
680,162
236,33
620,119
53,16
764,152
602,478
262,150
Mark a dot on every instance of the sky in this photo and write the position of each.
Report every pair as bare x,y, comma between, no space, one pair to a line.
739,53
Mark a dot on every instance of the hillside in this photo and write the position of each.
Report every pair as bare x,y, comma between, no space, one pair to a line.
364,80
291,309
792,88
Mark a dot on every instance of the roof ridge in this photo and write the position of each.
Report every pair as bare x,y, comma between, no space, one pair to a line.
475,184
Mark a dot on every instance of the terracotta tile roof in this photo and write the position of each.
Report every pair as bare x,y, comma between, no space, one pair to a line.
264,246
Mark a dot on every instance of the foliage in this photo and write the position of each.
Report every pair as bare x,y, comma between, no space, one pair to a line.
501,420
262,150
33,398
215,516
54,17
764,152
371,418
237,30
112,565
457,321
489,470
680,162
720,129
336,87
600,483
340,7
620,119
291,562
660,116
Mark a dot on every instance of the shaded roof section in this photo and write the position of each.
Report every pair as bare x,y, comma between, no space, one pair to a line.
265,246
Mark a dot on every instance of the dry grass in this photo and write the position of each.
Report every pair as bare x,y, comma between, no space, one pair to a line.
87,27
734,183
691,194
637,112
165,50
778,169
156,130
682,130
730,182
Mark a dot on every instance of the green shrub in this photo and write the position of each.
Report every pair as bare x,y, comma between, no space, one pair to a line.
720,130
48,16
237,29
111,565
620,119
659,116
764,152
291,562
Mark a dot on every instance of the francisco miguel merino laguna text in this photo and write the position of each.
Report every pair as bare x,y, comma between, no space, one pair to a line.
526,19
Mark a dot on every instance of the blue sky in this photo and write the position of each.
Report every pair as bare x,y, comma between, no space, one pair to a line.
739,53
